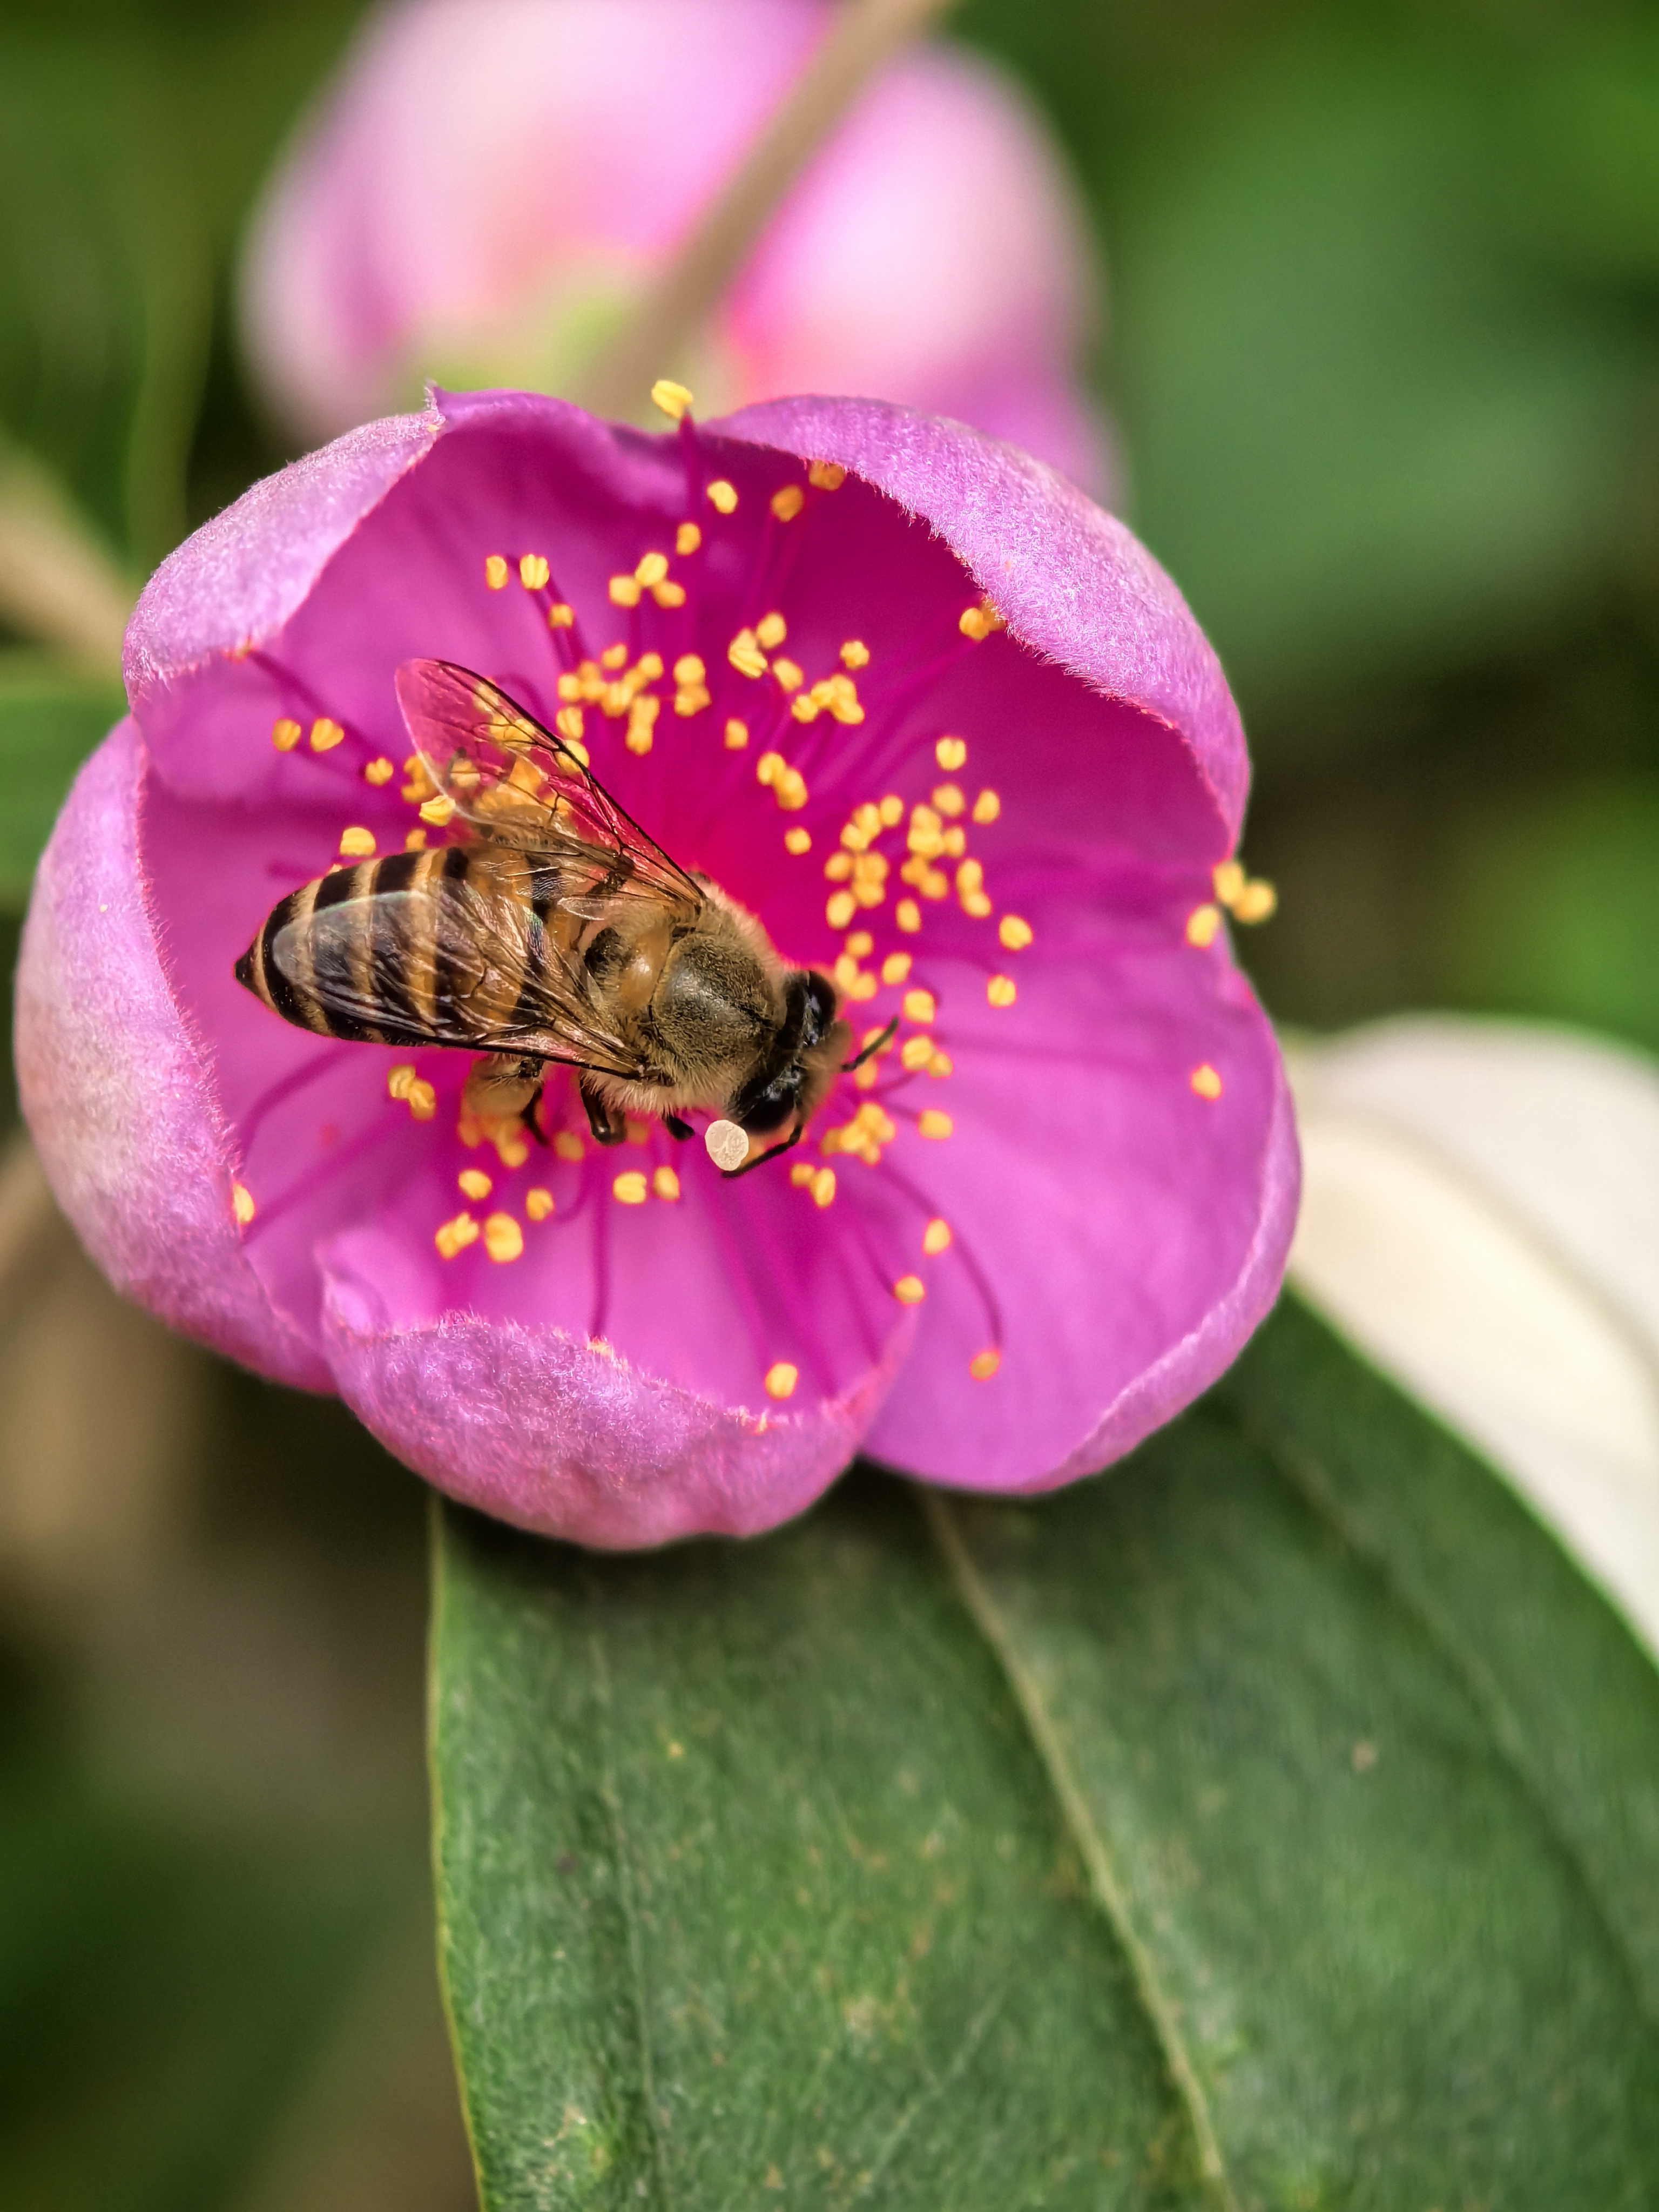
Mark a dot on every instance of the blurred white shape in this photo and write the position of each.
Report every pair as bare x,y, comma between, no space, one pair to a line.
1480,1219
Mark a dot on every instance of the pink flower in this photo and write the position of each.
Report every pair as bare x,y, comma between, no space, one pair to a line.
1034,1228
496,181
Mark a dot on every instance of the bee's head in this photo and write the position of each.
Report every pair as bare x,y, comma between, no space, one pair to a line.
791,1082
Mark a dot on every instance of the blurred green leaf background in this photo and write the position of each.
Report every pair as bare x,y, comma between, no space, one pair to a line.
1382,340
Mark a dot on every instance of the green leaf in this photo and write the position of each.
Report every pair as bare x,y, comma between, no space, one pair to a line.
1271,1822
50,721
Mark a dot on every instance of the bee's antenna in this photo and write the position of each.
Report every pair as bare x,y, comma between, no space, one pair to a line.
874,1046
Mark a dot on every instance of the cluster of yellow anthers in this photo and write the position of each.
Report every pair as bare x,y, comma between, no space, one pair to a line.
1247,899
618,690
936,832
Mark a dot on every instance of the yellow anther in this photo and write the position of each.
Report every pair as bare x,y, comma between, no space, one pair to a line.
397,1081
915,1053
652,568
936,1238
908,914
624,591
781,1379
861,944
950,753
356,844
629,1187
568,721
688,669
569,687
979,621
647,668
1000,991
285,735
987,806
1255,901
326,735
948,797
822,1185
737,735
673,398
798,841
954,843
722,496
691,699
803,707
453,1236
862,987
1013,934
568,1144
791,790
984,1364
474,1184
414,842
423,1100
614,656
577,749
539,1203
941,1064
910,1290
840,909
1202,924
845,969
801,1174
768,768
560,616
771,630
935,884
839,866
532,571
745,654
241,1203
896,967
787,503
666,1183
496,572
920,1006
1228,876
1205,1080
930,1123
503,1238
687,539
828,476
789,674
379,772
970,876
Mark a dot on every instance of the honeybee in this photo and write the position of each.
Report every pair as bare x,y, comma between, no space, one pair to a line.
558,931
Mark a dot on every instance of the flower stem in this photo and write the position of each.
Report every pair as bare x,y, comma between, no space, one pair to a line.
866,34
57,581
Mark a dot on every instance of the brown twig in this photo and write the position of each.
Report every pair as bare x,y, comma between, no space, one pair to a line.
866,34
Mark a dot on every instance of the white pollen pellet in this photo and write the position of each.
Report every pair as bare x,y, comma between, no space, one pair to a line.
728,1145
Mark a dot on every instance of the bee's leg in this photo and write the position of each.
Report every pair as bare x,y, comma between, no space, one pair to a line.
608,1126
504,1085
731,1174
679,1130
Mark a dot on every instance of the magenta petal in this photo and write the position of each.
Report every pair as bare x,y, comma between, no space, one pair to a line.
541,1429
1069,578
117,1089
244,574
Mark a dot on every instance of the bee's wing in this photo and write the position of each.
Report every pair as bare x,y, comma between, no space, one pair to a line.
415,968
518,784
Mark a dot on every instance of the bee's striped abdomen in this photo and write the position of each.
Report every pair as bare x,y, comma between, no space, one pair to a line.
391,952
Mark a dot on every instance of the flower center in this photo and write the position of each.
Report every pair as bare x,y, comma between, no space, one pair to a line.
890,865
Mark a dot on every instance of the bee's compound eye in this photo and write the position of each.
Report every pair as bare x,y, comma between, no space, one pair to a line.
728,1145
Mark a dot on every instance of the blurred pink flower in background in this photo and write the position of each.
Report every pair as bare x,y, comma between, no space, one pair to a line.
494,184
